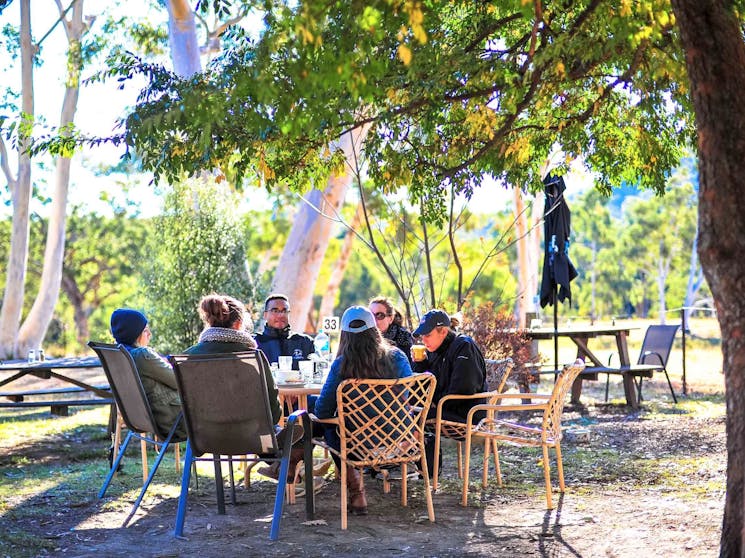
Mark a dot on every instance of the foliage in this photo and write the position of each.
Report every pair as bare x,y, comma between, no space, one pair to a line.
495,331
196,249
452,91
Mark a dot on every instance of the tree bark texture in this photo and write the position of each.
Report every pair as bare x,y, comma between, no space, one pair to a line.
715,57
36,323
182,34
328,301
300,263
20,187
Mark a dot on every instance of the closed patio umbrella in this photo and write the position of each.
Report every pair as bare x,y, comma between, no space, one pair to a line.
558,270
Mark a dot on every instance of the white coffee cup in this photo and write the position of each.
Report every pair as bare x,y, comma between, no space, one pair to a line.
307,367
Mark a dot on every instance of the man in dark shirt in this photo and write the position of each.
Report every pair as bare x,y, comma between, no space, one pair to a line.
455,360
457,363
277,339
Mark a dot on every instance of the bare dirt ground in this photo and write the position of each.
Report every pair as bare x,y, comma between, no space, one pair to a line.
645,484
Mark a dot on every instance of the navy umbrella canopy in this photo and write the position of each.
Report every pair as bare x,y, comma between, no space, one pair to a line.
558,270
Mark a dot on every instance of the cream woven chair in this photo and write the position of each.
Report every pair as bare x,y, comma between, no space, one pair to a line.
548,435
497,372
381,422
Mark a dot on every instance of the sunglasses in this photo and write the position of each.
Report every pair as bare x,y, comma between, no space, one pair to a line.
381,316
278,311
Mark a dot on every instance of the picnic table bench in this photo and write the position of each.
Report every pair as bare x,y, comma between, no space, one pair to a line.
53,397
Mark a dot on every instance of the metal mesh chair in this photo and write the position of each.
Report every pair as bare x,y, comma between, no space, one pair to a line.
653,357
497,372
381,422
134,409
227,414
494,429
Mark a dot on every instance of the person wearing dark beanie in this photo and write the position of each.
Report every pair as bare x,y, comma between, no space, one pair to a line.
130,329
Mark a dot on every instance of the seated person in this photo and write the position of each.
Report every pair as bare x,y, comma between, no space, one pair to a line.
277,339
390,322
457,363
224,333
129,328
362,354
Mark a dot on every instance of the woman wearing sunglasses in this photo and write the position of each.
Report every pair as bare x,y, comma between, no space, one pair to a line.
390,323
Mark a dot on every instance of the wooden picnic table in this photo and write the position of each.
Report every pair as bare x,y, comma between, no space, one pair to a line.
581,337
62,369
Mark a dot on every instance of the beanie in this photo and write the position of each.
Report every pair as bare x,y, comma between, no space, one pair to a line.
127,325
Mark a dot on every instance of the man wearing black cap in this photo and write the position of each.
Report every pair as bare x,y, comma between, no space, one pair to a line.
456,362
458,365
129,328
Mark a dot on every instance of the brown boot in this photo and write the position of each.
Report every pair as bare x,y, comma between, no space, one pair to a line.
357,500
272,471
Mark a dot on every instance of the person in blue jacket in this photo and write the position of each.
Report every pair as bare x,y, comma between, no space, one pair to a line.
278,339
363,353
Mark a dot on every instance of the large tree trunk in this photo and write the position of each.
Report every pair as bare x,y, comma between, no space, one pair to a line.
182,35
328,301
36,323
20,188
715,57
298,267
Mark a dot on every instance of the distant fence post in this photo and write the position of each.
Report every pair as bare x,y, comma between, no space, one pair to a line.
683,327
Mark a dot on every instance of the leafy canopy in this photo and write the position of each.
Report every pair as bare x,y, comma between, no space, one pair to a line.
452,90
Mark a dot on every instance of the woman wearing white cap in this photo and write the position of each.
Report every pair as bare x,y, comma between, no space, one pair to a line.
364,354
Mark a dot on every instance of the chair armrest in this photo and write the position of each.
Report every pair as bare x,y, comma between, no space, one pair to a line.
314,418
460,397
500,408
501,396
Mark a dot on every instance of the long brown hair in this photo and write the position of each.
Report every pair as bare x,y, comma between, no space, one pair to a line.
365,355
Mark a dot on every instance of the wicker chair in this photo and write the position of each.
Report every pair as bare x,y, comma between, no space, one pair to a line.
381,422
494,429
497,372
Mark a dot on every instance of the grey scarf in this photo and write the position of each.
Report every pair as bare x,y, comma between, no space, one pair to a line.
227,335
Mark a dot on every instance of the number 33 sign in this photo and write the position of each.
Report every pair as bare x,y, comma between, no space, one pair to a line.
331,324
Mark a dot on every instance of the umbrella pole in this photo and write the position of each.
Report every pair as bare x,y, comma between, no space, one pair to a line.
556,334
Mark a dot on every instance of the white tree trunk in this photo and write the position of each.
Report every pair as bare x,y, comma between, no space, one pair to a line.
20,188
527,257
35,325
328,302
182,35
297,271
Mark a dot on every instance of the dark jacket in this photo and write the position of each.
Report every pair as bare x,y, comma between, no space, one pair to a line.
400,337
208,345
159,383
459,368
282,342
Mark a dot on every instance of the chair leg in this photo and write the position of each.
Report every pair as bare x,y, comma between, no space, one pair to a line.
232,480
496,463
487,453
560,466
158,459
460,459
436,464
185,479
607,384
670,385
466,469
547,477
218,485
177,452
115,465
404,486
427,488
640,398
279,498
343,496
143,454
